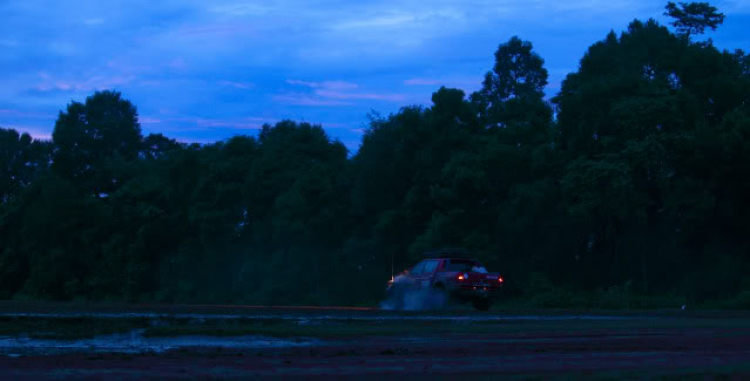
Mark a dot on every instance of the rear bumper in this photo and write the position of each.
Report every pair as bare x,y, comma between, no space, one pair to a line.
470,292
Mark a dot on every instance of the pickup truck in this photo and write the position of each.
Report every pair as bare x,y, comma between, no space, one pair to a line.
459,277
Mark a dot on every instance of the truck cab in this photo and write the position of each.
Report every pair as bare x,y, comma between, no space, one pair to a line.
454,273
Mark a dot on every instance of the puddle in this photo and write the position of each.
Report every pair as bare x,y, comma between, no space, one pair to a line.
134,342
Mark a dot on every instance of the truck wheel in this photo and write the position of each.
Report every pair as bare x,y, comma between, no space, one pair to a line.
441,297
395,298
482,304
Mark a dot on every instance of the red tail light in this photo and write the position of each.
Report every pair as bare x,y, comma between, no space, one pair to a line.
500,279
461,277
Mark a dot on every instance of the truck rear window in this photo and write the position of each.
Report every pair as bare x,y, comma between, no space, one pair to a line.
461,265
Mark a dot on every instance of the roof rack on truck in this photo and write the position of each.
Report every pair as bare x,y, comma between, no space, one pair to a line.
450,252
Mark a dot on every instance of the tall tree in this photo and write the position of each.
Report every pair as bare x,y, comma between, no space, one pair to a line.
514,89
91,138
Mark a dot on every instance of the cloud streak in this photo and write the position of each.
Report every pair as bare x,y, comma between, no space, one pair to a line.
237,85
333,93
330,85
298,99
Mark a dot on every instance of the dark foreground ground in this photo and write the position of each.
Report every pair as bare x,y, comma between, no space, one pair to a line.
52,341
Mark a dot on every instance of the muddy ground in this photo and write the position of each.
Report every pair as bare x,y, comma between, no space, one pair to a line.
53,341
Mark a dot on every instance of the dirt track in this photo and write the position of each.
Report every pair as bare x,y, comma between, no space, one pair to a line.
633,345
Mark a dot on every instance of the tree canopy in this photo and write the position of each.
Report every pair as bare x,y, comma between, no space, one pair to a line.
633,195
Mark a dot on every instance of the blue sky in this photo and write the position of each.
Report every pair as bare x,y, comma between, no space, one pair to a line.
201,71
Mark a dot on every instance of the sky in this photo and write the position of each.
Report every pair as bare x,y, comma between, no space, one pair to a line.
203,71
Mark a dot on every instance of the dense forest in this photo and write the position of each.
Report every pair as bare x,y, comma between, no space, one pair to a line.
630,188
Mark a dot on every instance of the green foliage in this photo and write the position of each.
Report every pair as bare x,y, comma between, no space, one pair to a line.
512,93
94,139
741,301
22,159
694,18
634,196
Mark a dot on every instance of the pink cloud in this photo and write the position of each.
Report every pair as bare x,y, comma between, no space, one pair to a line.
38,133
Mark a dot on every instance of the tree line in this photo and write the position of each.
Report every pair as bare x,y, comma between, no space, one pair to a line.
628,188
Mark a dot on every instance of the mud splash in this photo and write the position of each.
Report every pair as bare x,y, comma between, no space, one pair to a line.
403,295
134,342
